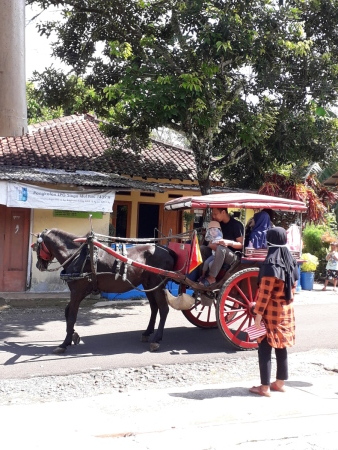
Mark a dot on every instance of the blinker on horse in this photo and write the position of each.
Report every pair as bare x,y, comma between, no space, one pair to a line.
87,270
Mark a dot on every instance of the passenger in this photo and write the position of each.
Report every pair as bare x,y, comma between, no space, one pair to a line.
331,266
233,237
213,235
259,224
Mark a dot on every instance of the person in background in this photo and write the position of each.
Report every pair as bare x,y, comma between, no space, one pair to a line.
331,266
233,237
277,280
213,235
257,227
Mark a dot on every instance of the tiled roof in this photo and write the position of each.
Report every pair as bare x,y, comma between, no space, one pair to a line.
78,178
76,143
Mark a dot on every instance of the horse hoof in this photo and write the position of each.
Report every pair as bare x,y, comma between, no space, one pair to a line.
154,346
144,338
59,351
76,338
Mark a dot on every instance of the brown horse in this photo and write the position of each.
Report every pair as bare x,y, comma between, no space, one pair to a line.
87,270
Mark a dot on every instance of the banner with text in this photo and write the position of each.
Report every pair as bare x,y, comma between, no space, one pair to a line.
27,196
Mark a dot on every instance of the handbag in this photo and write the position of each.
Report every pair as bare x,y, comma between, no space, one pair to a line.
255,332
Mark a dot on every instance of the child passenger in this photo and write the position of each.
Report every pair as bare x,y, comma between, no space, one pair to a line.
213,235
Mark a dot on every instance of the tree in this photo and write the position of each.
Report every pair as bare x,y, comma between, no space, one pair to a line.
37,110
67,93
244,80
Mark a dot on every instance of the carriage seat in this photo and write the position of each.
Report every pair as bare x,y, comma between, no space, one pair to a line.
260,253
182,251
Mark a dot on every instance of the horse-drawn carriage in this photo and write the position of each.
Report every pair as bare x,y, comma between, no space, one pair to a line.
90,265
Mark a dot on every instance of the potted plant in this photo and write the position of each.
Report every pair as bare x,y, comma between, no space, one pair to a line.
308,268
188,219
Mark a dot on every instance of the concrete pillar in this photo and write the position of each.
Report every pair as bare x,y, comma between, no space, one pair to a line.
13,105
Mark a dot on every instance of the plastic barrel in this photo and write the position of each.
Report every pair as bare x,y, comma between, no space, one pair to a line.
306,280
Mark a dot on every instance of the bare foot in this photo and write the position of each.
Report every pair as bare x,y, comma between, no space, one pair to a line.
277,386
261,390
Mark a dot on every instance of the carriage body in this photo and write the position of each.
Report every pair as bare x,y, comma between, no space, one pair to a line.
229,303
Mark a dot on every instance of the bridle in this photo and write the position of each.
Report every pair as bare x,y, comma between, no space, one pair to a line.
45,255
41,248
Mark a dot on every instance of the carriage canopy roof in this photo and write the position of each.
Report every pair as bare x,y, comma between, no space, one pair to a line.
236,200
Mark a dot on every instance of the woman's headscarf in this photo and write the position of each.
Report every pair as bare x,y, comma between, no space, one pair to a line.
279,262
258,232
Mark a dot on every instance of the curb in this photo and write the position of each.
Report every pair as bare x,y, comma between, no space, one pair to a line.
57,299
37,300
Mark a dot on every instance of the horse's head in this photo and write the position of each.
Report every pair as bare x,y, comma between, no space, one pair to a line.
44,254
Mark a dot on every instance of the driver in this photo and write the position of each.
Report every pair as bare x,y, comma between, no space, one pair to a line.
233,235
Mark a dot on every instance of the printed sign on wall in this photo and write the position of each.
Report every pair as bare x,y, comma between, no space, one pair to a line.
27,196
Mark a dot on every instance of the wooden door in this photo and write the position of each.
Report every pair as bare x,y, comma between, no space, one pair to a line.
14,240
171,221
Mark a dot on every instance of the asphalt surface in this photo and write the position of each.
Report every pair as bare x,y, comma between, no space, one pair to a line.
111,336
198,416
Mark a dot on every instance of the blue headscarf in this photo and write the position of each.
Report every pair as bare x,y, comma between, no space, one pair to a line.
258,233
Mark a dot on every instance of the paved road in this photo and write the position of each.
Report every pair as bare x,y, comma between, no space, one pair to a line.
111,337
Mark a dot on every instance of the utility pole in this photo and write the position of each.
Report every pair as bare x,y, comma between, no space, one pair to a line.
13,105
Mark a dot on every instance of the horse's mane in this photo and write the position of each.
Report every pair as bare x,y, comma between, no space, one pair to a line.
64,237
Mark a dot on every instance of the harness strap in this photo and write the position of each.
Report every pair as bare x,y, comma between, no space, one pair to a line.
124,253
93,263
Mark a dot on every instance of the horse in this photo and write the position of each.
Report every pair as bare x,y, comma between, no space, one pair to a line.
87,270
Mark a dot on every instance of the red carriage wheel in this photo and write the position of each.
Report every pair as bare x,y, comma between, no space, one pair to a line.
202,316
234,307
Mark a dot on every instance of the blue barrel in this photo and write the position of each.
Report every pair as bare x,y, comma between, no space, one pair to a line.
306,280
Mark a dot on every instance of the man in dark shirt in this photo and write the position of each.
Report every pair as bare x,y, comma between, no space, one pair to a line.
233,236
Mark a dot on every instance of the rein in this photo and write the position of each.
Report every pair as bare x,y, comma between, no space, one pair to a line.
187,234
65,262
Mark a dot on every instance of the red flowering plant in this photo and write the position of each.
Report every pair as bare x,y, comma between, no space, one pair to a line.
316,196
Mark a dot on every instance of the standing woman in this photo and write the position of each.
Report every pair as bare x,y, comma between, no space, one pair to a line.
277,283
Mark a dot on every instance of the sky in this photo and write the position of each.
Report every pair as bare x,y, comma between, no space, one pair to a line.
38,48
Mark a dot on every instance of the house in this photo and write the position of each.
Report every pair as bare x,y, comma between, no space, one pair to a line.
63,174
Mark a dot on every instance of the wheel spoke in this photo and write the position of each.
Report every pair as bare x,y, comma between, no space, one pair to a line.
202,316
235,301
234,309
237,318
249,286
241,293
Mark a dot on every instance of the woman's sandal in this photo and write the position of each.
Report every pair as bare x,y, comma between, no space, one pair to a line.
259,391
275,387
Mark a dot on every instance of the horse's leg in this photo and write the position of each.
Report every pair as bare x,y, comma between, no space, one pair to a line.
151,325
75,336
158,297
76,296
